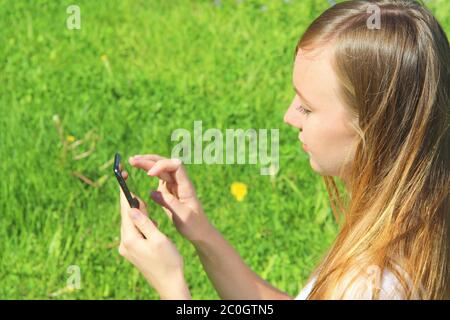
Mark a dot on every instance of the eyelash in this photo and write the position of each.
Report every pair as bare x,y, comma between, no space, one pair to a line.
302,110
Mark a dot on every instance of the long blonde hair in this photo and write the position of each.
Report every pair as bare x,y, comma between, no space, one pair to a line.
395,81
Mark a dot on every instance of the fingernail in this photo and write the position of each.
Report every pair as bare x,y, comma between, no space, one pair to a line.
151,171
176,161
135,214
156,195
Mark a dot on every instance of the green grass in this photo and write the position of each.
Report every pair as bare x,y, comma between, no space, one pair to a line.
171,62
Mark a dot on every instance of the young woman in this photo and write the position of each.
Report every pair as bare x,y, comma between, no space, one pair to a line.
372,108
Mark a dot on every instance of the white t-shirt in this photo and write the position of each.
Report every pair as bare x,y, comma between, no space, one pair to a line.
362,288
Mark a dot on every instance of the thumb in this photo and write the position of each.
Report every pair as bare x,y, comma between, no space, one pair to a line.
143,223
169,201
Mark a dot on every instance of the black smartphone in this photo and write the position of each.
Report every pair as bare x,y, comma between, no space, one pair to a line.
134,203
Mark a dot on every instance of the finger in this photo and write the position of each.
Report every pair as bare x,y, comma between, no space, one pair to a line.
147,165
154,157
170,202
142,204
158,199
162,186
144,164
163,189
127,226
168,165
124,175
143,223
178,172
144,160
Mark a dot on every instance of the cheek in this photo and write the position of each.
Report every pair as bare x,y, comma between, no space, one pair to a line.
325,137
332,151
314,133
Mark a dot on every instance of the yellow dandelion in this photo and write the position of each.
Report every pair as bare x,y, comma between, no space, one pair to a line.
71,139
239,190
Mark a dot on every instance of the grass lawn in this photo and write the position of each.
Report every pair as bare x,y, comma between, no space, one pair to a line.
136,71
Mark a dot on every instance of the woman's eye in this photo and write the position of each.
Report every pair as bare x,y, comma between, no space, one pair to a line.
302,110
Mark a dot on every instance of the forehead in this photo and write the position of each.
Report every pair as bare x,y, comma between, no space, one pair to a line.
314,76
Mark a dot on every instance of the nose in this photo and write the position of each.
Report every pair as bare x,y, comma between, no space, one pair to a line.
286,117
293,118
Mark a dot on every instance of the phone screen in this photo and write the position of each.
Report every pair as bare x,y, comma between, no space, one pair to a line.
134,203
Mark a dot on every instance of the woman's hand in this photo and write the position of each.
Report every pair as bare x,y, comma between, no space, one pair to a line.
151,252
176,194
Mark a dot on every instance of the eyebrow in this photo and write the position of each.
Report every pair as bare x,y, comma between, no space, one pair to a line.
308,104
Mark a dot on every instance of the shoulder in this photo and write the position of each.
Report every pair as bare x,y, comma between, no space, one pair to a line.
363,286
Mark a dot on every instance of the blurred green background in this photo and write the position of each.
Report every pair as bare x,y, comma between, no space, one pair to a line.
136,71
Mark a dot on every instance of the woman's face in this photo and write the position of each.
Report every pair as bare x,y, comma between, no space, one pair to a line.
323,121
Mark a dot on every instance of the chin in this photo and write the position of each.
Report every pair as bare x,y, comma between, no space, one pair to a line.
316,168
314,165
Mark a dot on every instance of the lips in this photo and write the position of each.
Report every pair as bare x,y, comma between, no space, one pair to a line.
305,147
